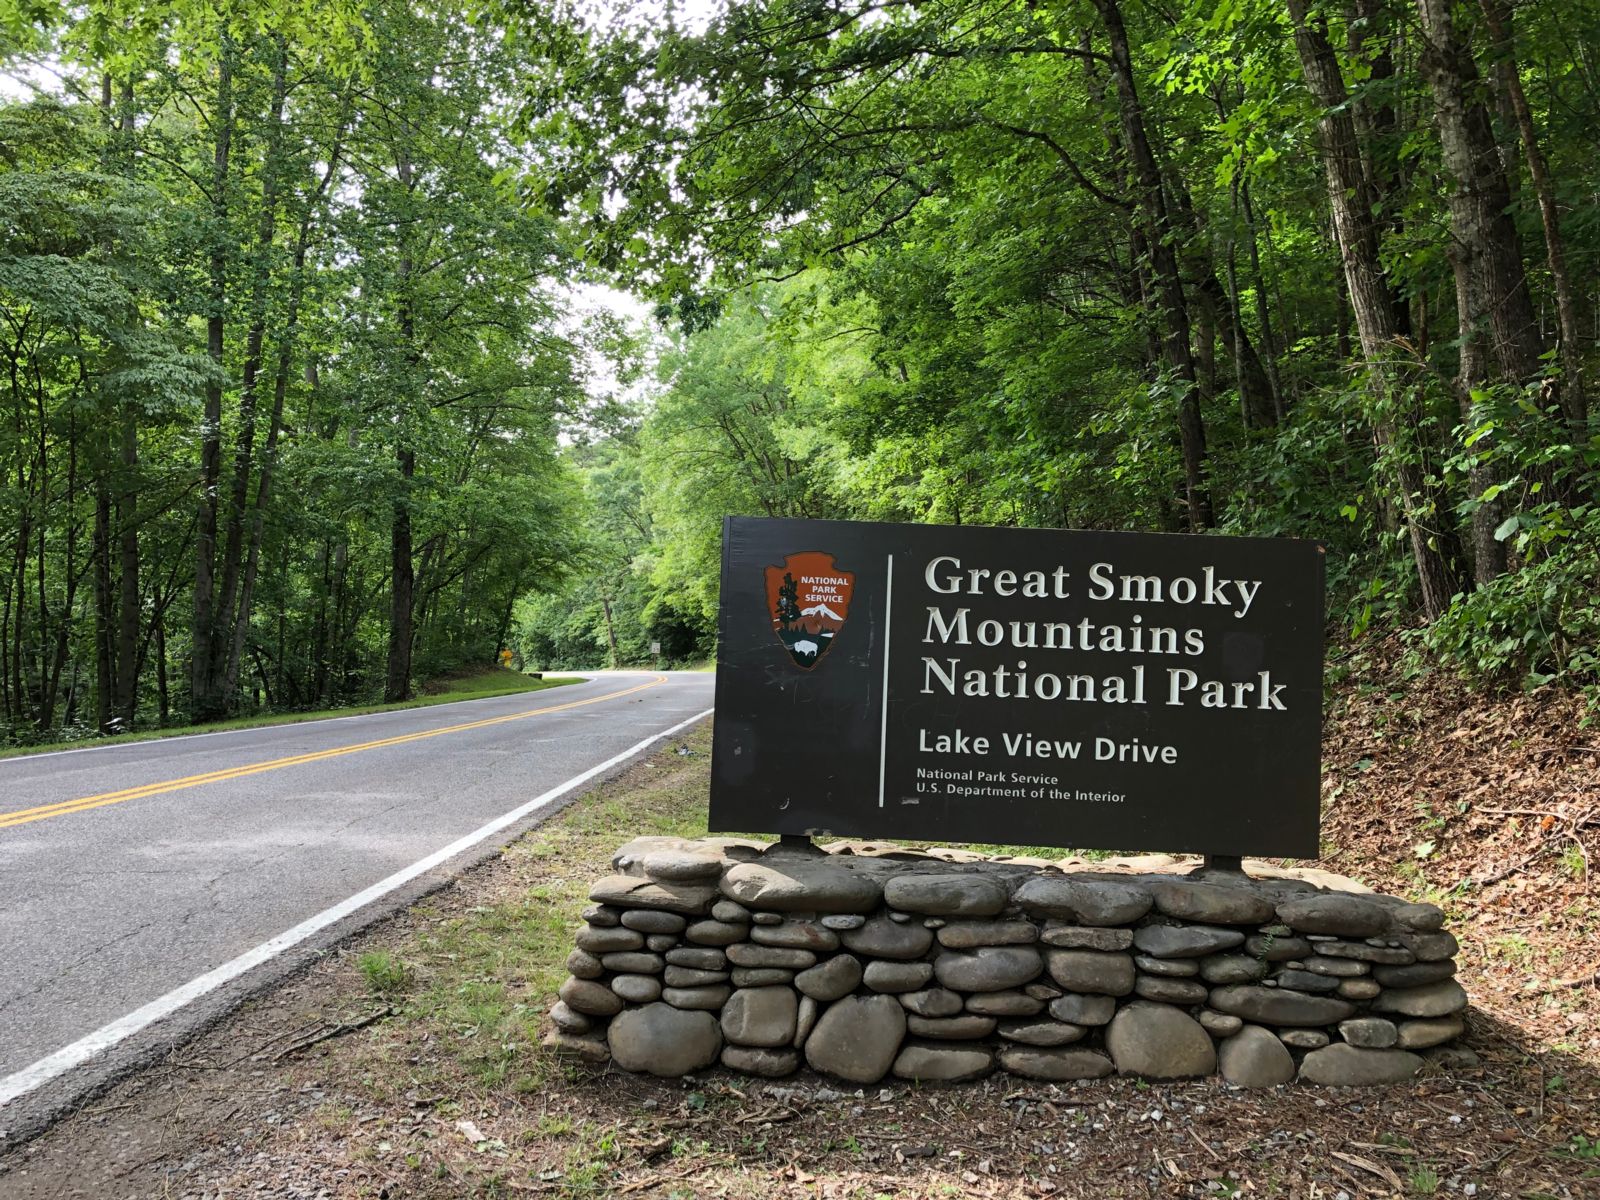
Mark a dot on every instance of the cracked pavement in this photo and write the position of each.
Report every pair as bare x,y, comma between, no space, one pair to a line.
106,909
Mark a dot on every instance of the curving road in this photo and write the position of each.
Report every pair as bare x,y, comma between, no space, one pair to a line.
127,872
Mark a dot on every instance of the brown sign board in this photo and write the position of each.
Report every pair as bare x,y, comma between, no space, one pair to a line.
1117,691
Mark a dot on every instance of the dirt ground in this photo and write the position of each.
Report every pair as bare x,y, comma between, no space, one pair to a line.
407,1064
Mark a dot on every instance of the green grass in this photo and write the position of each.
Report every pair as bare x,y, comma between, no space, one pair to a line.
479,685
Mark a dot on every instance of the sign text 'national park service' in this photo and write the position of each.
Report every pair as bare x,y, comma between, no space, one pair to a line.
1121,691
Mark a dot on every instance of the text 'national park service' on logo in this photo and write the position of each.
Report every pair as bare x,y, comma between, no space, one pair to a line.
808,599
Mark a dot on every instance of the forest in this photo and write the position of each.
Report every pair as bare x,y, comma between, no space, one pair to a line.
302,409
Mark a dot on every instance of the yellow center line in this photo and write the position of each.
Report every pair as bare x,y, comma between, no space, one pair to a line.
61,808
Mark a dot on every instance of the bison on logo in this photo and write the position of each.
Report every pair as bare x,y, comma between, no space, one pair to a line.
809,599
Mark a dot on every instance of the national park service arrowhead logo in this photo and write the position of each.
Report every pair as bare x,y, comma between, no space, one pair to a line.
808,599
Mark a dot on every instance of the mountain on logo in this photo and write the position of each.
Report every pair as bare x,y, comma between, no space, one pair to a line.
808,597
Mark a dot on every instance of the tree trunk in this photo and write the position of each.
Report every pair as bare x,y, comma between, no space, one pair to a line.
1175,339
1483,233
1574,402
204,699
128,601
1392,377
402,585
233,607
104,604
1488,553
611,632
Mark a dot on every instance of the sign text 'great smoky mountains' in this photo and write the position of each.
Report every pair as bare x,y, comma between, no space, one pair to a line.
1019,686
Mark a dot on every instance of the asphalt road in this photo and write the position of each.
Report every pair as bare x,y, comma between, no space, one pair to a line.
127,871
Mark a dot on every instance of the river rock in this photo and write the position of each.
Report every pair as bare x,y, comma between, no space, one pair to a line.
653,920
1421,1035
932,1002
716,933
587,996
1270,948
802,885
1084,1010
681,866
1370,1033
1339,968
896,977
1277,1006
1430,947
831,978
987,968
1041,1033
1170,991
761,1016
964,935
637,989
1415,975
1232,968
1157,1041
730,913
761,976
1254,1058
602,914
841,922
608,941
1304,1039
1358,989
747,954
796,935
752,1060
1306,981
1392,955
965,1028
630,891
1423,918
1086,937
945,895
1344,1065
1185,941
700,958
1094,971
1440,999
662,1040
1173,968
689,977
767,918
857,1038
1088,902
805,1020
935,1063
881,938
592,1049
1332,912
1219,1025
570,1019
584,965
1005,1004
1058,1064
707,999
633,962
1210,903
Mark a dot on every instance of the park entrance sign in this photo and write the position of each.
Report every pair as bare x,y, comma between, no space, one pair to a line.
1020,686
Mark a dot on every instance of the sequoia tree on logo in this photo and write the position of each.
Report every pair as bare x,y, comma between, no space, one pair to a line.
809,599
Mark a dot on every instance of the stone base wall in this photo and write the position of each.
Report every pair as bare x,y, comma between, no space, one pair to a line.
865,961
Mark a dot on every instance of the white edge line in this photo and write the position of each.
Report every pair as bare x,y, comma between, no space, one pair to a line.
883,733
388,712
13,1087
